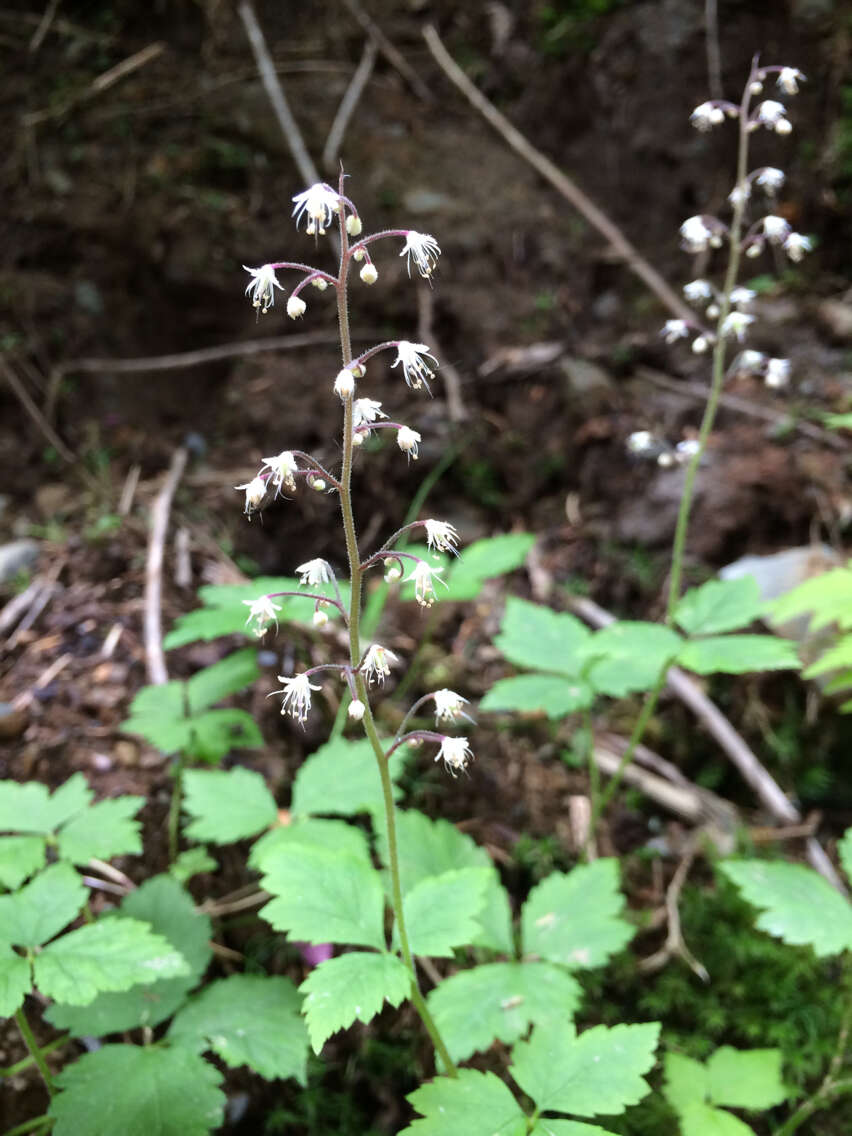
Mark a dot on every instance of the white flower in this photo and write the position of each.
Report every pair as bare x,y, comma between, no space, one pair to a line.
640,442
255,492
448,706
262,286
408,441
366,411
423,250
770,179
741,296
377,663
441,535
736,324
415,369
740,194
695,291
788,80
686,450
770,113
344,384
674,329
319,618
282,467
455,753
750,361
318,204
356,709
424,576
777,373
393,572
783,126
776,228
706,116
369,273
796,246
261,612
314,572
694,234
700,344
297,696
296,307
353,225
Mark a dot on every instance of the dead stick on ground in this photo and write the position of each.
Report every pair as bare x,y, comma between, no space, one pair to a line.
596,217
154,655
675,943
766,788
331,150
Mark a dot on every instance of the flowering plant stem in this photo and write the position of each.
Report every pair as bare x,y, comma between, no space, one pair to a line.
355,655
34,1050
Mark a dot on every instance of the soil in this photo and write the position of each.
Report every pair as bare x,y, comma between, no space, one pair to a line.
130,208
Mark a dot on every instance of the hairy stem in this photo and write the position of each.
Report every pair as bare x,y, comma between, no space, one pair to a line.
34,1050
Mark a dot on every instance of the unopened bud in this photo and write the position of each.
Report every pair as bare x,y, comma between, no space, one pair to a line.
369,273
353,225
320,618
320,284
356,709
318,484
344,384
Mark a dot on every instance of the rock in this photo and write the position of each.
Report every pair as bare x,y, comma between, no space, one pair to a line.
836,317
584,377
13,722
17,556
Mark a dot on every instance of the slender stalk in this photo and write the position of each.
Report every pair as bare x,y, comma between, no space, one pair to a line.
36,1125
34,1050
355,580
25,1062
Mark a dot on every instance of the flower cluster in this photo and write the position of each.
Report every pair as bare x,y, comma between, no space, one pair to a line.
644,444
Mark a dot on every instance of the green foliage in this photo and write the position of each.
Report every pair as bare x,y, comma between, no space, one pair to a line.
351,987
150,1091
226,806
441,911
738,654
732,1078
472,1104
719,605
465,576
341,778
176,716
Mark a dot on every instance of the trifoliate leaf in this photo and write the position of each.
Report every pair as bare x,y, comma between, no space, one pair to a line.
533,636
214,734
103,830
551,694
20,856
738,654
483,560
15,980
169,910
350,988
798,905
342,777
686,1081
41,908
192,862
136,1091
472,1104
719,605
705,1120
31,808
440,912
248,1019
112,954
844,851
210,685
628,656
746,1078
499,1001
333,835
324,897
827,598
545,1126
226,805
574,919
598,1072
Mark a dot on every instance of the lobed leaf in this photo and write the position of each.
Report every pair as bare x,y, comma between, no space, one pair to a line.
20,857
210,685
551,694
15,980
351,987
627,656
341,777
471,1104
746,1078
686,1081
546,1126
192,862
719,605
440,912
226,805
484,560
102,831
332,835
31,808
536,637
705,1120
41,908
827,598
738,654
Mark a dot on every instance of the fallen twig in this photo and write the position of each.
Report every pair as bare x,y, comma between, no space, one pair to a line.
154,655
595,216
675,945
331,150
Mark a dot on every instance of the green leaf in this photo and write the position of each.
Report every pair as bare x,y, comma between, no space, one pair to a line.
719,605
430,848
332,835
248,1019
838,421
41,908
628,656
15,980
192,862
546,1126
838,657
554,695
102,831
533,636
440,912
226,806
704,1120
746,1078
574,919
20,857
798,905
30,807
211,685
136,1091
686,1081
485,559
598,1072
342,777
738,654
112,954
472,1104
827,597
169,911
324,897
499,1001
216,733
351,987
844,851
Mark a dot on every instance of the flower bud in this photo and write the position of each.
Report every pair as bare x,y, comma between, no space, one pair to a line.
353,225
320,619
318,484
344,384
296,307
369,273
356,709
319,283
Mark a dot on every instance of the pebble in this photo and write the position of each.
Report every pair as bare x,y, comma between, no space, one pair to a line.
17,556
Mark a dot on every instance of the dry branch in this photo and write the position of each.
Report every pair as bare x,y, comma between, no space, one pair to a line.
154,655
